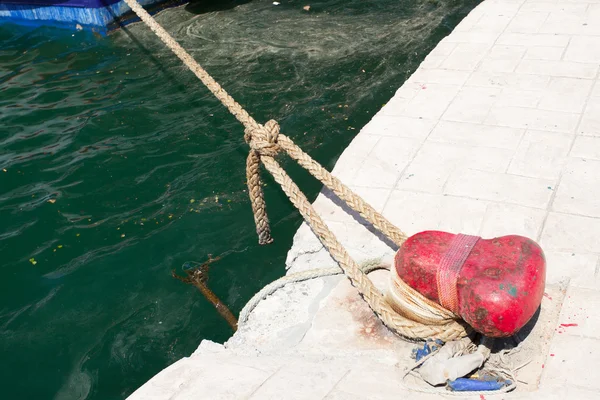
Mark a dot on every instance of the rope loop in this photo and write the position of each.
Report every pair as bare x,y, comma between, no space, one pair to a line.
263,138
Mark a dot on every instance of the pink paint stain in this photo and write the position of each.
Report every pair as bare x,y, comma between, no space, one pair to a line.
568,325
546,295
481,397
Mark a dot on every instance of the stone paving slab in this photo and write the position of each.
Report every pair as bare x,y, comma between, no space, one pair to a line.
497,132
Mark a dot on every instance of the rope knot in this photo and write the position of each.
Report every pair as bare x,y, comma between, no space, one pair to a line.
263,138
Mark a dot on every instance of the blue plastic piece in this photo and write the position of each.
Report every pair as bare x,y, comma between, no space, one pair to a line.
428,348
425,351
475,385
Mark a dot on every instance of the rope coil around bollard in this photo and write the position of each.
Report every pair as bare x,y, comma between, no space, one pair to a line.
265,143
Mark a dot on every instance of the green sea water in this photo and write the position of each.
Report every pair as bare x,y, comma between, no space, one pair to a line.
117,166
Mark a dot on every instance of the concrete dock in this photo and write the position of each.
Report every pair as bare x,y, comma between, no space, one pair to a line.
497,132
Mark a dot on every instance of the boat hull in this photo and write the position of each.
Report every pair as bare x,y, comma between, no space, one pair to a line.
99,16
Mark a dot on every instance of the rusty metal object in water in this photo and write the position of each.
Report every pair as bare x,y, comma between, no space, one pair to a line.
198,276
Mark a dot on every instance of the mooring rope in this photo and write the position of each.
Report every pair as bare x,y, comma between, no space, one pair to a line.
366,268
265,143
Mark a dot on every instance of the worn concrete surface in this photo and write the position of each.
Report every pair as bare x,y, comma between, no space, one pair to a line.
497,132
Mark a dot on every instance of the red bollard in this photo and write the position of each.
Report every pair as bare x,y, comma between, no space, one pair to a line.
495,285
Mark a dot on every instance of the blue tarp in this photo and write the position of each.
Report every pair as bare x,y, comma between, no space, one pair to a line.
70,13
62,3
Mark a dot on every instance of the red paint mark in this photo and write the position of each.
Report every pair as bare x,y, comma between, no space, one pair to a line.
551,355
481,397
543,365
546,295
568,325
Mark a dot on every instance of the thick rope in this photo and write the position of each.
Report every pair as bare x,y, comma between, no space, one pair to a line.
265,142
257,199
413,305
353,200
